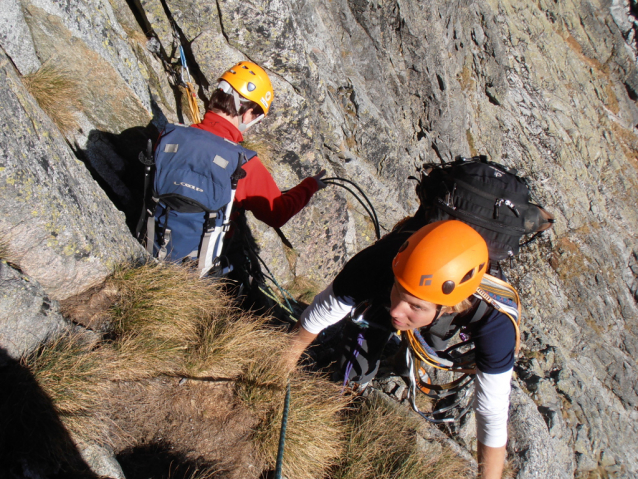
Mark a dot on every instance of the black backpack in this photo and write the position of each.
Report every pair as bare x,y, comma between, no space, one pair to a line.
487,196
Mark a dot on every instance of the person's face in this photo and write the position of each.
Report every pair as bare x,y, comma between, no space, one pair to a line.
409,312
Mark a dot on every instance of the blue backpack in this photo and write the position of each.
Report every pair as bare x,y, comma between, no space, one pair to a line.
196,174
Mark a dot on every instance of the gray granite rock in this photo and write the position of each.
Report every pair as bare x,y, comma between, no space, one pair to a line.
28,317
531,449
15,38
102,461
369,90
59,225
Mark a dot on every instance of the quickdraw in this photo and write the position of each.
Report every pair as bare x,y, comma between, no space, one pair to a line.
189,90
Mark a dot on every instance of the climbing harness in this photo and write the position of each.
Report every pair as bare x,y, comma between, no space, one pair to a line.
420,356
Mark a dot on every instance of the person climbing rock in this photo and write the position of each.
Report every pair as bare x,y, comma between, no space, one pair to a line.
186,162
242,99
414,282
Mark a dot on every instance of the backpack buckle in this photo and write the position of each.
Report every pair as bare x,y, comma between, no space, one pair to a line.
209,224
163,252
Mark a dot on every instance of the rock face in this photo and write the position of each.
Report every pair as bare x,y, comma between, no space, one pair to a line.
28,316
59,226
368,89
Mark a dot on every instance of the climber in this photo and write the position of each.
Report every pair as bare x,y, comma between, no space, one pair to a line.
411,282
242,99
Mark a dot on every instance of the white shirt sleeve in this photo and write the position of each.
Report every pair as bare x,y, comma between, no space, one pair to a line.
326,309
491,404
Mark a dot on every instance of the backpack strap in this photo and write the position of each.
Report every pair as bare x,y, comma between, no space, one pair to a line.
213,240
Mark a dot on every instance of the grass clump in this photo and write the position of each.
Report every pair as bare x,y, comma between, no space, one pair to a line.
55,89
231,344
316,428
315,432
75,375
383,444
4,250
160,317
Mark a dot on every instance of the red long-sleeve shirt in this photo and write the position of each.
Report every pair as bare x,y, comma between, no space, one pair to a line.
257,191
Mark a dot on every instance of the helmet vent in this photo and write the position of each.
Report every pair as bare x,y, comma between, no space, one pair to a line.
251,86
470,274
448,287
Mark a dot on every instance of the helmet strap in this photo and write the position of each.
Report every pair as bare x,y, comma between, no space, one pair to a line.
244,126
237,99
229,90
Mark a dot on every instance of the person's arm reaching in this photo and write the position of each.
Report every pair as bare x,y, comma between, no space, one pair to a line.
491,461
491,404
259,193
326,309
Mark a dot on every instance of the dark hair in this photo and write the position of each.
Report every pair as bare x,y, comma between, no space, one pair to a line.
225,103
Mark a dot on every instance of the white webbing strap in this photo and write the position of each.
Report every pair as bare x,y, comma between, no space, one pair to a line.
150,232
213,241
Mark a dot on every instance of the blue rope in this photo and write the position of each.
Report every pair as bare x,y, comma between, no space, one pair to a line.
282,434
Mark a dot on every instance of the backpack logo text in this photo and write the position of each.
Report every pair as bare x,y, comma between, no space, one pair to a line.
181,183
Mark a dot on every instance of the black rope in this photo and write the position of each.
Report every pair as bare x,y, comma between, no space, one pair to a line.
369,208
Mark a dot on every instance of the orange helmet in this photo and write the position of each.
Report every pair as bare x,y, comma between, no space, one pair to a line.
251,82
443,262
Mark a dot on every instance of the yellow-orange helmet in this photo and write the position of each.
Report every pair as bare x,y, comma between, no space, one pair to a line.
443,262
251,82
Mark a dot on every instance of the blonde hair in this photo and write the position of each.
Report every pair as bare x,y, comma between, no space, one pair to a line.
457,308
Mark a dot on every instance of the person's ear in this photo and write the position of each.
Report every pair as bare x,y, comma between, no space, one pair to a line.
251,116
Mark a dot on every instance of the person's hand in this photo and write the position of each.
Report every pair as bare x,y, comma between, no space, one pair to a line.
318,177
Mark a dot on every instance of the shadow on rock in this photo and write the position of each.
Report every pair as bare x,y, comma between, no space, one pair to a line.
159,461
113,163
33,441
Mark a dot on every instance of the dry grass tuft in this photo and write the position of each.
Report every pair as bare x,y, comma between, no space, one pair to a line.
383,444
232,344
72,373
316,429
4,250
263,380
55,89
315,432
160,318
